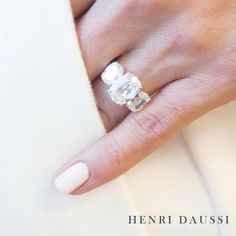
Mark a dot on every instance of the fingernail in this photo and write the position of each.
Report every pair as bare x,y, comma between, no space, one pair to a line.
72,178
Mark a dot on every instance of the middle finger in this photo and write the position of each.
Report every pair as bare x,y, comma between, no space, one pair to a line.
110,29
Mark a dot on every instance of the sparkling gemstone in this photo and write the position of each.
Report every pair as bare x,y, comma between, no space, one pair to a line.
124,88
138,102
112,72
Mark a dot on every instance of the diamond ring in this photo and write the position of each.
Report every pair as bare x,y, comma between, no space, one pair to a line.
124,88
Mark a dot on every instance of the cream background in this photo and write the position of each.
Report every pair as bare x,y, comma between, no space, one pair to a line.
48,114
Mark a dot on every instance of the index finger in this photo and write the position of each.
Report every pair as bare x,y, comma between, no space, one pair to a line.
138,135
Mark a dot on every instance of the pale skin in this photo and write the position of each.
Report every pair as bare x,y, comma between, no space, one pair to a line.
183,51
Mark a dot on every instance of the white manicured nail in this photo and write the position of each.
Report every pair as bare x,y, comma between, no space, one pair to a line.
72,178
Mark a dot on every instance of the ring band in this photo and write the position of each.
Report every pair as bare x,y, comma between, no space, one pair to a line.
124,88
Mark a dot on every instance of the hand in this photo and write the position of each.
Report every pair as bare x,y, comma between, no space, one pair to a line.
184,53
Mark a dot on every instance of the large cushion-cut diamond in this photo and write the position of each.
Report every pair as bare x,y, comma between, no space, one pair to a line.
124,88
112,72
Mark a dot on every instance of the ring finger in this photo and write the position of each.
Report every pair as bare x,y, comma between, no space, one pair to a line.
152,56
153,71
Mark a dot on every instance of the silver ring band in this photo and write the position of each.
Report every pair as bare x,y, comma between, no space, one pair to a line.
124,88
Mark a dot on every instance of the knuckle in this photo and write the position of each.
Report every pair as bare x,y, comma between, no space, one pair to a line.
134,3
140,7
201,36
177,109
114,153
150,126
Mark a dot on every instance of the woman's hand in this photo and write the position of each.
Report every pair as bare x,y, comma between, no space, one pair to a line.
183,51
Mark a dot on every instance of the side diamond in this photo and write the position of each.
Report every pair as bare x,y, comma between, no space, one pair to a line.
138,102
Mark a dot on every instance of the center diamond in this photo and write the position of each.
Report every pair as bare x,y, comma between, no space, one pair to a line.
124,88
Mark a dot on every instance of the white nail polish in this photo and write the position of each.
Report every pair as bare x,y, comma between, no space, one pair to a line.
72,178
